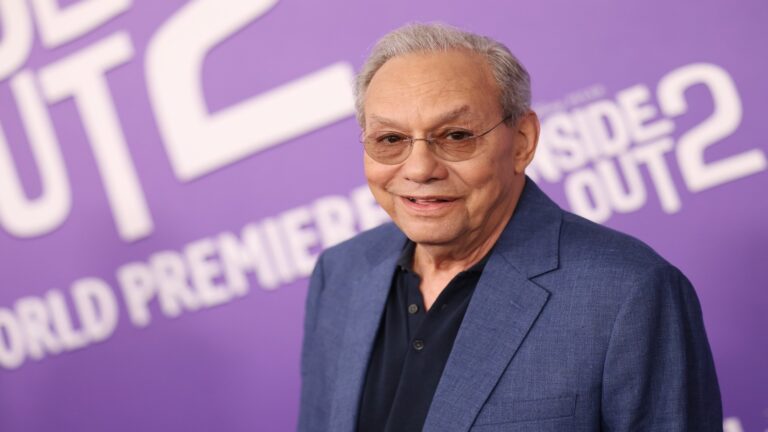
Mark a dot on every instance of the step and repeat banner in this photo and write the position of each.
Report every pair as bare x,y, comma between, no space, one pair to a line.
170,170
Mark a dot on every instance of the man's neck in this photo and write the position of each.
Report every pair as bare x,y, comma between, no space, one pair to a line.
437,265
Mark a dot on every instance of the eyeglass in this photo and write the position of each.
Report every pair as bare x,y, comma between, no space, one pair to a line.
392,148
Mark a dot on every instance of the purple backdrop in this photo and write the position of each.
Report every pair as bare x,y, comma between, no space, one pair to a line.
169,170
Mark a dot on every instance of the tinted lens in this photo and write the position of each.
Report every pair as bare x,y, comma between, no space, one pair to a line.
387,152
455,150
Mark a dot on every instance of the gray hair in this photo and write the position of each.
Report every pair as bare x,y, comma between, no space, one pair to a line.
511,77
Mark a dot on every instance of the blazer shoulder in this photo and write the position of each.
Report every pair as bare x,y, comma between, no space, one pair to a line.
615,270
586,243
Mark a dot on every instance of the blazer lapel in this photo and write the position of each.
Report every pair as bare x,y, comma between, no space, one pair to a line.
369,295
502,310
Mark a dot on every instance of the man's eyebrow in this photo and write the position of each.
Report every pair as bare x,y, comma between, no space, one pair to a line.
443,118
382,120
453,114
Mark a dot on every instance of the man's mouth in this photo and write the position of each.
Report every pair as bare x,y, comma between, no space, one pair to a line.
428,200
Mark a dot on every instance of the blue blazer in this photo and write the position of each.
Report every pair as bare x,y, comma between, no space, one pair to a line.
572,327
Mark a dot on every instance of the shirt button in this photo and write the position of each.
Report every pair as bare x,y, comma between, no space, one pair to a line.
418,344
413,308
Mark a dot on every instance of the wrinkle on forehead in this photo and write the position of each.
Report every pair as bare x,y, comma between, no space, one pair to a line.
459,113
431,87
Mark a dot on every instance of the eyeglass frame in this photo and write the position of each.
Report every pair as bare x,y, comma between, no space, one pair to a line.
432,142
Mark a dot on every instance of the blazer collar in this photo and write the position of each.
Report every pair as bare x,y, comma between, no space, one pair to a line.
503,308
531,240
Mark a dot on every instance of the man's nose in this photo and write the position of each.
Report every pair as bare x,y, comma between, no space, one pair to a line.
422,165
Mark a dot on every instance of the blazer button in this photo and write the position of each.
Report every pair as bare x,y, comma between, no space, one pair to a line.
413,308
418,344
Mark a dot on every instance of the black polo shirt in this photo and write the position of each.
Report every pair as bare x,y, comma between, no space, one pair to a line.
411,348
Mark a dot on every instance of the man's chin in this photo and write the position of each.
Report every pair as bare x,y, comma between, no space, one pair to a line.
429,236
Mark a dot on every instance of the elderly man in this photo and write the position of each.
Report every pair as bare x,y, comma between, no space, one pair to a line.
485,306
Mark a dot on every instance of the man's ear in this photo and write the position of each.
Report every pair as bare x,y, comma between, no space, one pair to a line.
528,129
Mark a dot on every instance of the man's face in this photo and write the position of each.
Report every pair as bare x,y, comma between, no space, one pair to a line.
436,202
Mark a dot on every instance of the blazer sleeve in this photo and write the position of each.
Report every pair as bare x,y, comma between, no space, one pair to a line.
659,374
311,368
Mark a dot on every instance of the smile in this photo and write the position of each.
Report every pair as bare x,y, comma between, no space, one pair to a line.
428,205
428,200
